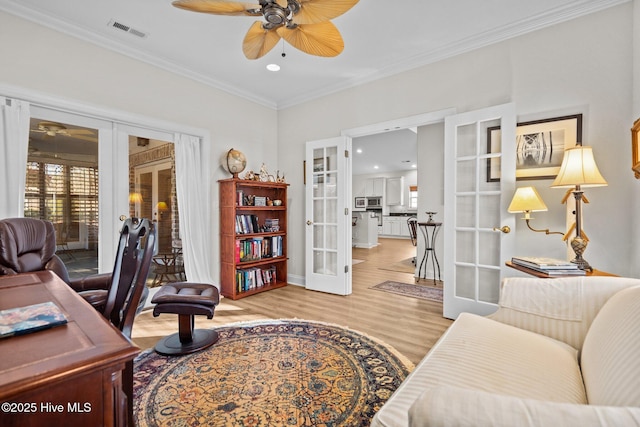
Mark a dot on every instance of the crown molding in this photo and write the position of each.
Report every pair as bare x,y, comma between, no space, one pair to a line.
538,22
554,16
122,48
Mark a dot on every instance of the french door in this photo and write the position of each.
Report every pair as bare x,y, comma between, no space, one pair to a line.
328,216
479,181
153,184
72,171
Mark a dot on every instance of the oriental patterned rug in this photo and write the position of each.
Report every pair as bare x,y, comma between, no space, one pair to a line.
270,373
411,290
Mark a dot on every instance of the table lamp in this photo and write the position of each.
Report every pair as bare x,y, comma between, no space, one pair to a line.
527,200
579,170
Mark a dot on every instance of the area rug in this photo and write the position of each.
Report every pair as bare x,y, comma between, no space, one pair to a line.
270,373
404,266
411,290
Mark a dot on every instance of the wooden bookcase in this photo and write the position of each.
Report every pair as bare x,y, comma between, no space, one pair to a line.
248,247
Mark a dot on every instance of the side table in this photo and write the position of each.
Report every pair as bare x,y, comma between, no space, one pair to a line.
429,232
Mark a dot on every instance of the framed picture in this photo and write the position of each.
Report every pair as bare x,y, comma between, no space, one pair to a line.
635,149
540,146
360,203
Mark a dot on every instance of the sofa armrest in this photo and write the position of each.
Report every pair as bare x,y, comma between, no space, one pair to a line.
455,406
561,308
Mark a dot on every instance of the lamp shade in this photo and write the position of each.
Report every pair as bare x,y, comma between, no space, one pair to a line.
527,199
579,168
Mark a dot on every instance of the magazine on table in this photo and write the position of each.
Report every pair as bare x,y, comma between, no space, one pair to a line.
31,318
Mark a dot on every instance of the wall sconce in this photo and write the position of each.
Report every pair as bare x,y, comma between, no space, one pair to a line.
579,170
527,200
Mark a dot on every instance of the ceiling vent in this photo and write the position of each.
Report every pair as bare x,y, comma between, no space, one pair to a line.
123,27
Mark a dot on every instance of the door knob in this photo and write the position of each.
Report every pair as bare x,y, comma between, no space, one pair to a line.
309,222
505,229
122,217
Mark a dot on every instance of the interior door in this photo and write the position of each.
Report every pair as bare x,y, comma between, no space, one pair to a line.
479,181
328,213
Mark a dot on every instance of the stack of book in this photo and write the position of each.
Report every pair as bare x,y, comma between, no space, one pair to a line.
549,266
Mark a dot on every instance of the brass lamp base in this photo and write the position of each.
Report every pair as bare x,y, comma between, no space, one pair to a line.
579,245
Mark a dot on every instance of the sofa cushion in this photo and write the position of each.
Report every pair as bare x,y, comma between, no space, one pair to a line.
454,406
482,354
610,354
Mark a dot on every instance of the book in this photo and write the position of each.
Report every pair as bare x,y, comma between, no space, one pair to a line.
544,263
31,318
568,272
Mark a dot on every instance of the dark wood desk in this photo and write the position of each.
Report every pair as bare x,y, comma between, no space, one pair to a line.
70,375
546,276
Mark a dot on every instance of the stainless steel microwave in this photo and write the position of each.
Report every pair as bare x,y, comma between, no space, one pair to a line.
374,202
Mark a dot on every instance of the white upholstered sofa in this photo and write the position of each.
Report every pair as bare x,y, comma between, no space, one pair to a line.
558,352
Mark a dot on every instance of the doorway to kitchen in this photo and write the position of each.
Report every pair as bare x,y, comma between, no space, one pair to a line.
385,136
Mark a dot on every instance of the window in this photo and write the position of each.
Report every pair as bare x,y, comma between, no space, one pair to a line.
413,197
65,195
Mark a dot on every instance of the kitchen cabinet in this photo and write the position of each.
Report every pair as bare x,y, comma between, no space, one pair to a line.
395,226
374,187
395,191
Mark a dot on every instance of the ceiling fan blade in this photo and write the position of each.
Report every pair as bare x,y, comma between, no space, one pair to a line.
259,41
314,11
322,39
219,7
76,132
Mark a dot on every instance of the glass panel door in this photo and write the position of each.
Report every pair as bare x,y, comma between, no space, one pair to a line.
62,187
475,208
328,207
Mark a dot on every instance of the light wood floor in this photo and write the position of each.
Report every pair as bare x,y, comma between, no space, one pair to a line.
410,325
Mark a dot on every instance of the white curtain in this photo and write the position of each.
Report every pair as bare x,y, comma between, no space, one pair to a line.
193,203
14,146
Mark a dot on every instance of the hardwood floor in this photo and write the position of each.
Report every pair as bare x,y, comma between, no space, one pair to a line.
410,325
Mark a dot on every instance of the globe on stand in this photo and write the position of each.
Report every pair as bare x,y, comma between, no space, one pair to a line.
234,162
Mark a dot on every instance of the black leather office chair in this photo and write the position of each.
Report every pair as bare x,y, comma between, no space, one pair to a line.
29,244
127,290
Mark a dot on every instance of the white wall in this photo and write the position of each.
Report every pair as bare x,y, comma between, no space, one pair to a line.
48,62
582,66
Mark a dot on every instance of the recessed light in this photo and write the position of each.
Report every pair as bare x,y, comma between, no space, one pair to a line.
359,150
273,67
375,167
414,166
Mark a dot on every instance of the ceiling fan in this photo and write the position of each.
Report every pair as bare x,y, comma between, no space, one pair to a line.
54,129
305,24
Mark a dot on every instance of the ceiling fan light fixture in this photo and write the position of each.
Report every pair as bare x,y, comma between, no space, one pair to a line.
273,67
305,24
